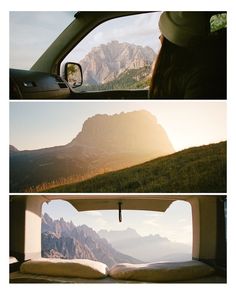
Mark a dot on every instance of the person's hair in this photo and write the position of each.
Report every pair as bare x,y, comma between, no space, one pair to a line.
173,62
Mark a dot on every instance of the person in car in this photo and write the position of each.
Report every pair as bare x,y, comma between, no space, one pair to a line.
192,60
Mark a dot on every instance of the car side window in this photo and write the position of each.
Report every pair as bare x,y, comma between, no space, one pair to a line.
118,54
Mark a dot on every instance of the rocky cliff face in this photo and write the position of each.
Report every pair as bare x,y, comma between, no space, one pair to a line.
106,62
64,247
61,239
136,132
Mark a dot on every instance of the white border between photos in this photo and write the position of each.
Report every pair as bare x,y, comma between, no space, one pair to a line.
73,5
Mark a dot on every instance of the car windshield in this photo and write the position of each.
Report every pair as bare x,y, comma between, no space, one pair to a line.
32,32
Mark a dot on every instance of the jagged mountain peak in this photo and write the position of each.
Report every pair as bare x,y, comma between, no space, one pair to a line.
46,218
137,117
106,62
13,148
65,240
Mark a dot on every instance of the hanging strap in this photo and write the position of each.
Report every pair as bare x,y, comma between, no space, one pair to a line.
120,213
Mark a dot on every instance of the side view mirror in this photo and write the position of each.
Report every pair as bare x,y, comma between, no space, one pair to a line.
73,74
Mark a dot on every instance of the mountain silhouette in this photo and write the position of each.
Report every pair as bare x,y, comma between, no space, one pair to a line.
105,143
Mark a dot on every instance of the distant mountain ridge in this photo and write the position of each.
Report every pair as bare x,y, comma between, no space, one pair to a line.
151,248
114,236
107,62
105,143
61,239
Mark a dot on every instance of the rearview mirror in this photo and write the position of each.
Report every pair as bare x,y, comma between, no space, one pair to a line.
73,74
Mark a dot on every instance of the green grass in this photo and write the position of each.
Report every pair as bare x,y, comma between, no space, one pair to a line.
194,170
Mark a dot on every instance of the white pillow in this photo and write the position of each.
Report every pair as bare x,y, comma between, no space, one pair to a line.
161,271
82,268
12,259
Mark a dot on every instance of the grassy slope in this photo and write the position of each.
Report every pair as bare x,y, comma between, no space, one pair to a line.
197,169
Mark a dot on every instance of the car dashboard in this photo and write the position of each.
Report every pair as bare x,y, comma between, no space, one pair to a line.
26,84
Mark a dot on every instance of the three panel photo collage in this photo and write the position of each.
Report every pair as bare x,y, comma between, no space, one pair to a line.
118,166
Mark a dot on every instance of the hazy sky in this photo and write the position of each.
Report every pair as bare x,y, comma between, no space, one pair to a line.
175,223
36,125
31,33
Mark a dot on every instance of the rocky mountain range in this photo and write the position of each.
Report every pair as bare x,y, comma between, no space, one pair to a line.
107,62
61,239
105,143
150,248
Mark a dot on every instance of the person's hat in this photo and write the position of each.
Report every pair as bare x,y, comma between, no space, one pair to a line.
184,28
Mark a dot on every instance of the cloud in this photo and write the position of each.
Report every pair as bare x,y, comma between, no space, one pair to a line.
93,213
155,222
101,223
